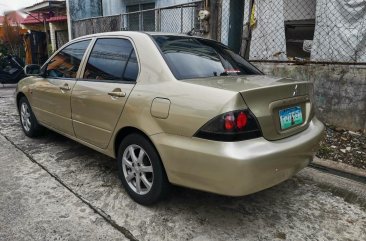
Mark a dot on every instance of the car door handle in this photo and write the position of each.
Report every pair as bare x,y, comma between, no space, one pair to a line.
117,94
65,87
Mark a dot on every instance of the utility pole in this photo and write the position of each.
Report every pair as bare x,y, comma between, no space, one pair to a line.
69,25
214,18
247,33
45,30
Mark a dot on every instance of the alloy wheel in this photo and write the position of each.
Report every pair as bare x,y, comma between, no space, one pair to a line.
137,169
25,117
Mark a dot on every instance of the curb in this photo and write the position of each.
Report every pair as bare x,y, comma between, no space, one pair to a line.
7,86
340,168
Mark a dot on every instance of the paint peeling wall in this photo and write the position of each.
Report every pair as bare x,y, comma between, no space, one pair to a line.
80,9
339,91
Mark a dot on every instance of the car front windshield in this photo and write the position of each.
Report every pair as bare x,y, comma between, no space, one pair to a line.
190,58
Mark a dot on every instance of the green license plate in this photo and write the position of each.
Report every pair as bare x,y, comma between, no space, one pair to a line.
290,117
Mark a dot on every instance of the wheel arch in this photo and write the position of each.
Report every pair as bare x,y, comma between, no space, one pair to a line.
18,97
125,131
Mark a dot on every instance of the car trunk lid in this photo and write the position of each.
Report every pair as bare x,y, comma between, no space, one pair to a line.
282,106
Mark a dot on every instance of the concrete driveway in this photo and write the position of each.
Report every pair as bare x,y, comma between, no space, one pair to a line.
53,188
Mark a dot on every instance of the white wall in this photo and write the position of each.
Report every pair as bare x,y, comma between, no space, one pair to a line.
268,37
340,31
299,9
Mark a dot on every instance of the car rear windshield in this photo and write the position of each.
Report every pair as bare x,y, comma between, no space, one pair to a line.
190,58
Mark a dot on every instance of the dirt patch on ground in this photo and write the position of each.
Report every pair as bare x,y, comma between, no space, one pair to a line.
344,146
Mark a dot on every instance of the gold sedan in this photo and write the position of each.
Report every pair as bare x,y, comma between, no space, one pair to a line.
173,109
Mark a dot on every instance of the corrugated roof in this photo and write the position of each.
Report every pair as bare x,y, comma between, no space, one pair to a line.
40,6
35,18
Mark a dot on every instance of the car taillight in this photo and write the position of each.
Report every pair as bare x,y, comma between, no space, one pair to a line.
231,126
229,121
241,120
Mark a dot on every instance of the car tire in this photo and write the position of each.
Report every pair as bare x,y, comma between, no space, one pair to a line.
142,173
28,121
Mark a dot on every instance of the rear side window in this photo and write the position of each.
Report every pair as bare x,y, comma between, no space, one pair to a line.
112,59
190,58
65,64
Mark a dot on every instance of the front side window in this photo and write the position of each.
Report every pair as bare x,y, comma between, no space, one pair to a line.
112,59
190,58
65,64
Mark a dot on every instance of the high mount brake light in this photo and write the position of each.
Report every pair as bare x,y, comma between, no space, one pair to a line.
231,126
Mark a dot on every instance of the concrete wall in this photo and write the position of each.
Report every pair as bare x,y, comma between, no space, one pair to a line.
339,90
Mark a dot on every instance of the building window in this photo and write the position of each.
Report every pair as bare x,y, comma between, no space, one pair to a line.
299,35
141,21
62,37
299,16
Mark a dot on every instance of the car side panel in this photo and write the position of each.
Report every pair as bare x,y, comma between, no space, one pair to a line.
52,104
94,112
191,106
50,96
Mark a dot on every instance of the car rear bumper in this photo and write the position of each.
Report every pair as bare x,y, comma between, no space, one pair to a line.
236,168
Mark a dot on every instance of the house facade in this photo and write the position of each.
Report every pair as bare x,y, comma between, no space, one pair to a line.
49,17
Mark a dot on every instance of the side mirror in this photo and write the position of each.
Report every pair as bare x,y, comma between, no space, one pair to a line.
32,70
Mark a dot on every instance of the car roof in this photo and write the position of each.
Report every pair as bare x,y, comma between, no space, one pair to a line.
132,34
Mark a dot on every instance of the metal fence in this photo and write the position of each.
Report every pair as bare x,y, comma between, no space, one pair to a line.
175,19
315,31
